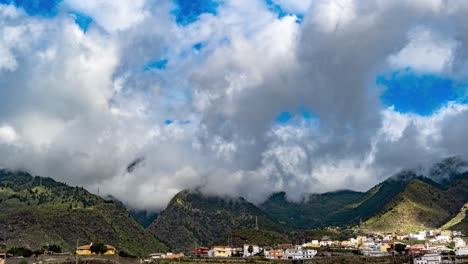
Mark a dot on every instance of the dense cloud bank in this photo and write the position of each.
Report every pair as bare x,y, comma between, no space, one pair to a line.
244,97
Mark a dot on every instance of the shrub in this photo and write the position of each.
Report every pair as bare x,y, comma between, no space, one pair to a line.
98,248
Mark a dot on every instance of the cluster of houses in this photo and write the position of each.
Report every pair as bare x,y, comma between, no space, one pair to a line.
428,244
280,251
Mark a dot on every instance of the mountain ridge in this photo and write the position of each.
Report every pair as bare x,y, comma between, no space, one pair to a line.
38,210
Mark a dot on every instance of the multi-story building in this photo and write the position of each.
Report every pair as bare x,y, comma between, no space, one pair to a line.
220,252
428,259
299,253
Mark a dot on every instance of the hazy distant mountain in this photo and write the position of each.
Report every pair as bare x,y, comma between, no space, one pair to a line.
37,211
143,217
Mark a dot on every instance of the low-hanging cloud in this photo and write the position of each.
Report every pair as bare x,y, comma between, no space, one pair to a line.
84,107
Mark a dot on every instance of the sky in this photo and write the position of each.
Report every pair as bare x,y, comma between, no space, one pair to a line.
145,98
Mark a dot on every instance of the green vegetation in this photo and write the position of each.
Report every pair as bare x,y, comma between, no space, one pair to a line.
405,202
144,218
20,252
192,219
248,236
457,219
462,225
423,204
36,211
400,247
98,248
311,213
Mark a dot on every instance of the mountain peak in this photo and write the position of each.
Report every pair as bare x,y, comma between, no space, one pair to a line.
448,169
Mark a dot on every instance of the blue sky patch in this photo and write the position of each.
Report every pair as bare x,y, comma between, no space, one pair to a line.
45,8
159,64
283,117
277,9
198,46
188,11
422,94
82,20
302,117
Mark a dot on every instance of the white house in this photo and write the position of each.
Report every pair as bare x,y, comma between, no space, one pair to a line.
459,242
255,248
428,259
309,253
419,236
441,238
326,243
299,253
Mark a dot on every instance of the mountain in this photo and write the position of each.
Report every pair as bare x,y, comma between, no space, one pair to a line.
36,211
143,217
405,201
423,204
342,208
459,222
311,213
192,219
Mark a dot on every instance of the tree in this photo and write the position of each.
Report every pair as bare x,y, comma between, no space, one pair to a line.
250,249
20,251
400,247
98,248
55,248
38,252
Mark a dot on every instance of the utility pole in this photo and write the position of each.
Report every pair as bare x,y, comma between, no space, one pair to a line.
256,223
76,252
6,248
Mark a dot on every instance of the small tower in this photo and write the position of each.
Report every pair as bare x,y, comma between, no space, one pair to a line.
256,223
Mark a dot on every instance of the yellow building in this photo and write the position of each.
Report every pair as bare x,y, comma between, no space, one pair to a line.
346,243
86,250
446,233
221,251
311,245
385,247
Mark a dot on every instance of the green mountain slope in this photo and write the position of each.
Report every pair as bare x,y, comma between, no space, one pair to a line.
311,213
459,222
405,201
422,204
192,219
343,208
37,211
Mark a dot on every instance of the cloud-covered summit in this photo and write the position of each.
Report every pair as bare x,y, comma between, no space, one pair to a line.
234,97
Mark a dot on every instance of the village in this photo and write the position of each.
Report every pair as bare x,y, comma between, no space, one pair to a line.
428,246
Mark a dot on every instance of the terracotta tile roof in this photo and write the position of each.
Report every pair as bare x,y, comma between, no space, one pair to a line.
84,247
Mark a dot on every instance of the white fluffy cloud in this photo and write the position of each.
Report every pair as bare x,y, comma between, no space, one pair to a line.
425,52
80,107
7,134
112,15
